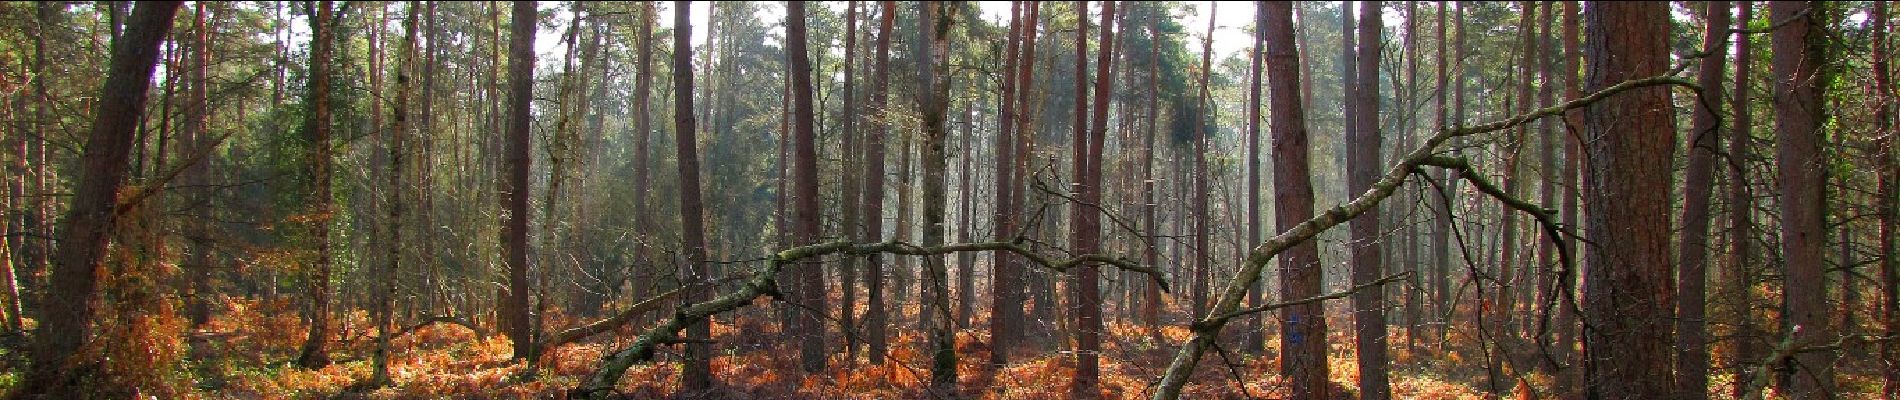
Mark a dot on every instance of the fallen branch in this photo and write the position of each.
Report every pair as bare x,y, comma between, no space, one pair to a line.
1208,328
600,383
571,335
441,319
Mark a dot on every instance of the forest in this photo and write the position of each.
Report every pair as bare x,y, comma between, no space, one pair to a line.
1157,200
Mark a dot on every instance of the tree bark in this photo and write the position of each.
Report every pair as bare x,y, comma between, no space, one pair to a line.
1256,338
1363,144
1202,251
396,136
1630,139
1889,203
92,218
1800,183
933,95
875,311
1692,346
642,143
853,225
1303,328
1741,205
1004,295
1567,373
514,186
317,137
810,326
1088,299
697,372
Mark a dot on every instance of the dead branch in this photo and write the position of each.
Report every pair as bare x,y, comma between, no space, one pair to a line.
1208,328
600,383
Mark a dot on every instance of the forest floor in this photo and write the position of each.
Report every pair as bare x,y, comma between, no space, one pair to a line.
244,353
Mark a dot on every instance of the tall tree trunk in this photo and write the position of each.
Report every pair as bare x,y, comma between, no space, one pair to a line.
1631,138
848,266
1004,292
1362,170
1005,296
1409,256
317,137
1087,278
1692,347
1567,373
1026,115
811,275
91,221
1889,203
875,309
1441,201
642,143
197,264
1151,254
1303,327
1800,183
1256,338
399,110
1202,251
514,186
1741,206
697,374
933,96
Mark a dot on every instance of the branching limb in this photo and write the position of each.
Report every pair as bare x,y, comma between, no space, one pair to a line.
1209,327
443,319
761,283
1315,299
582,332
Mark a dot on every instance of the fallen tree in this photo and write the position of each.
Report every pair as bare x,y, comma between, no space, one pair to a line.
1207,328
763,282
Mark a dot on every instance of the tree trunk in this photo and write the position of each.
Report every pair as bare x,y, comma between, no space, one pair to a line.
1151,254
1363,166
514,187
1566,326
1441,226
1800,182
314,354
399,110
91,221
1741,206
933,96
1256,338
848,266
1692,347
1889,210
805,209
642,143
697,374
875,310
1087,278
1303,327
1631,138
1005,296
1202,251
